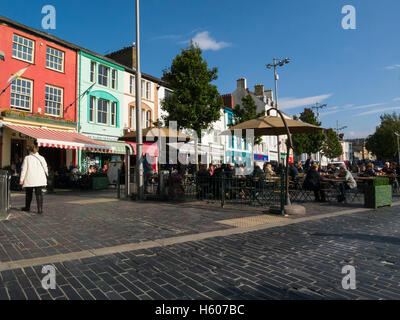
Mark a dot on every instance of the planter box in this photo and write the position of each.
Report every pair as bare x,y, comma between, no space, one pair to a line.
98,183
378,196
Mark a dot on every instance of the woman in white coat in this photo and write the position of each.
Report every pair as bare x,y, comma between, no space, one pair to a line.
34,174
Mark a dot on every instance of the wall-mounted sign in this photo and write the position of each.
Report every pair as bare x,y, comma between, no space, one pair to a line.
261,157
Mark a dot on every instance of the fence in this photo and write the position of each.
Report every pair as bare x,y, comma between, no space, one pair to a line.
222,190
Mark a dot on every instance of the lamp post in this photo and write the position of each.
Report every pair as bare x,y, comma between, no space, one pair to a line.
275,64
398,146
139,137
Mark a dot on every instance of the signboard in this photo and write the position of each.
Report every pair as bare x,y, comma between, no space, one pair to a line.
261,157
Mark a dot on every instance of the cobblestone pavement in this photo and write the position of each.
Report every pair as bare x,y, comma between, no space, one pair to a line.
81,221
297,261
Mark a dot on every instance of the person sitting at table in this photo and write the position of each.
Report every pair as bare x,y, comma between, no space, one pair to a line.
258,172
293,172
332,169
369,171
312,182
211,169
299,167
268,170
388,169
350,183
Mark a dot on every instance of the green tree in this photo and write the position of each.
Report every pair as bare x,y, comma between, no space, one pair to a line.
194,103
331,147
308,142
383,143
247,111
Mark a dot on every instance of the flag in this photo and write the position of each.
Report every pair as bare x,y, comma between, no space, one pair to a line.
17,74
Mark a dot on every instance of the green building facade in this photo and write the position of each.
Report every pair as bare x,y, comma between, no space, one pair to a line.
100,107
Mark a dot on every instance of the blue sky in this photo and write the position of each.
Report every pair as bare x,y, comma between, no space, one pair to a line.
356,72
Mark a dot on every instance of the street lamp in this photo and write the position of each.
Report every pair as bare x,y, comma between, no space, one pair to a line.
398,145
139,137
276,63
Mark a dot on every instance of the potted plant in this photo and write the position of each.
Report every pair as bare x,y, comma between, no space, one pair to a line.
378,193
98,181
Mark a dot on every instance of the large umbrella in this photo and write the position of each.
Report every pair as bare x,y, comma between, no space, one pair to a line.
272,126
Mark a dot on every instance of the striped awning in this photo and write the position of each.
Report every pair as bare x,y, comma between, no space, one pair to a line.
62,139
118,147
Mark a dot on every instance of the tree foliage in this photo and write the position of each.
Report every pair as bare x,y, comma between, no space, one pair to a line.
331,147
247,111
383,143
194,103
308,142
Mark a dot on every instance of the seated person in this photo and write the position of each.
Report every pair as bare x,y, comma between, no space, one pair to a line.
293,172
332,169
369,171
312,182
299,167
389,169
258,172
350,183
268,170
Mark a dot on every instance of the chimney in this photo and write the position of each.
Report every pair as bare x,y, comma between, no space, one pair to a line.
241,83
269,94
228,100
125,56
259,90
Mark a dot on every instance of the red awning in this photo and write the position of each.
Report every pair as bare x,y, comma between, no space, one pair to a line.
60,138
148,148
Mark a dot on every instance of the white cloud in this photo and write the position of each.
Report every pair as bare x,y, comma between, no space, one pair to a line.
392,67
290,103
396,99
369,105
205,42
378,111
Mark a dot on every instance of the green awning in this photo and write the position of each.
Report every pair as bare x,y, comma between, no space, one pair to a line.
118,147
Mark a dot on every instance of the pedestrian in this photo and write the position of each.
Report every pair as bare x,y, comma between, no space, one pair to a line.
34,174
309,163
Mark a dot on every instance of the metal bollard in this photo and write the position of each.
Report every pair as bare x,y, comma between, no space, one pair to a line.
5,180
118,184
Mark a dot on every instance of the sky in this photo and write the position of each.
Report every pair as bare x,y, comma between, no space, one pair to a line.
356,72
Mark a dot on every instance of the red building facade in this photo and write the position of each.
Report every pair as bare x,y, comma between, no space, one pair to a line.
44,96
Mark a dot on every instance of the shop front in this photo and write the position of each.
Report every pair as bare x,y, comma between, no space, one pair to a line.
58,147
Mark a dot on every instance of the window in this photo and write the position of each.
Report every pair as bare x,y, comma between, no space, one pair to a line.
103,75
148,90
132,85
233,142
168,93
53,100
142,88
92,71
114,79
54,59
132,118
21,94
216,136
113,113
230,119
148,119
91,108
23,48
102,108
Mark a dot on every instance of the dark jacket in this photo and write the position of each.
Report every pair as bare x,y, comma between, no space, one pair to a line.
312,180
